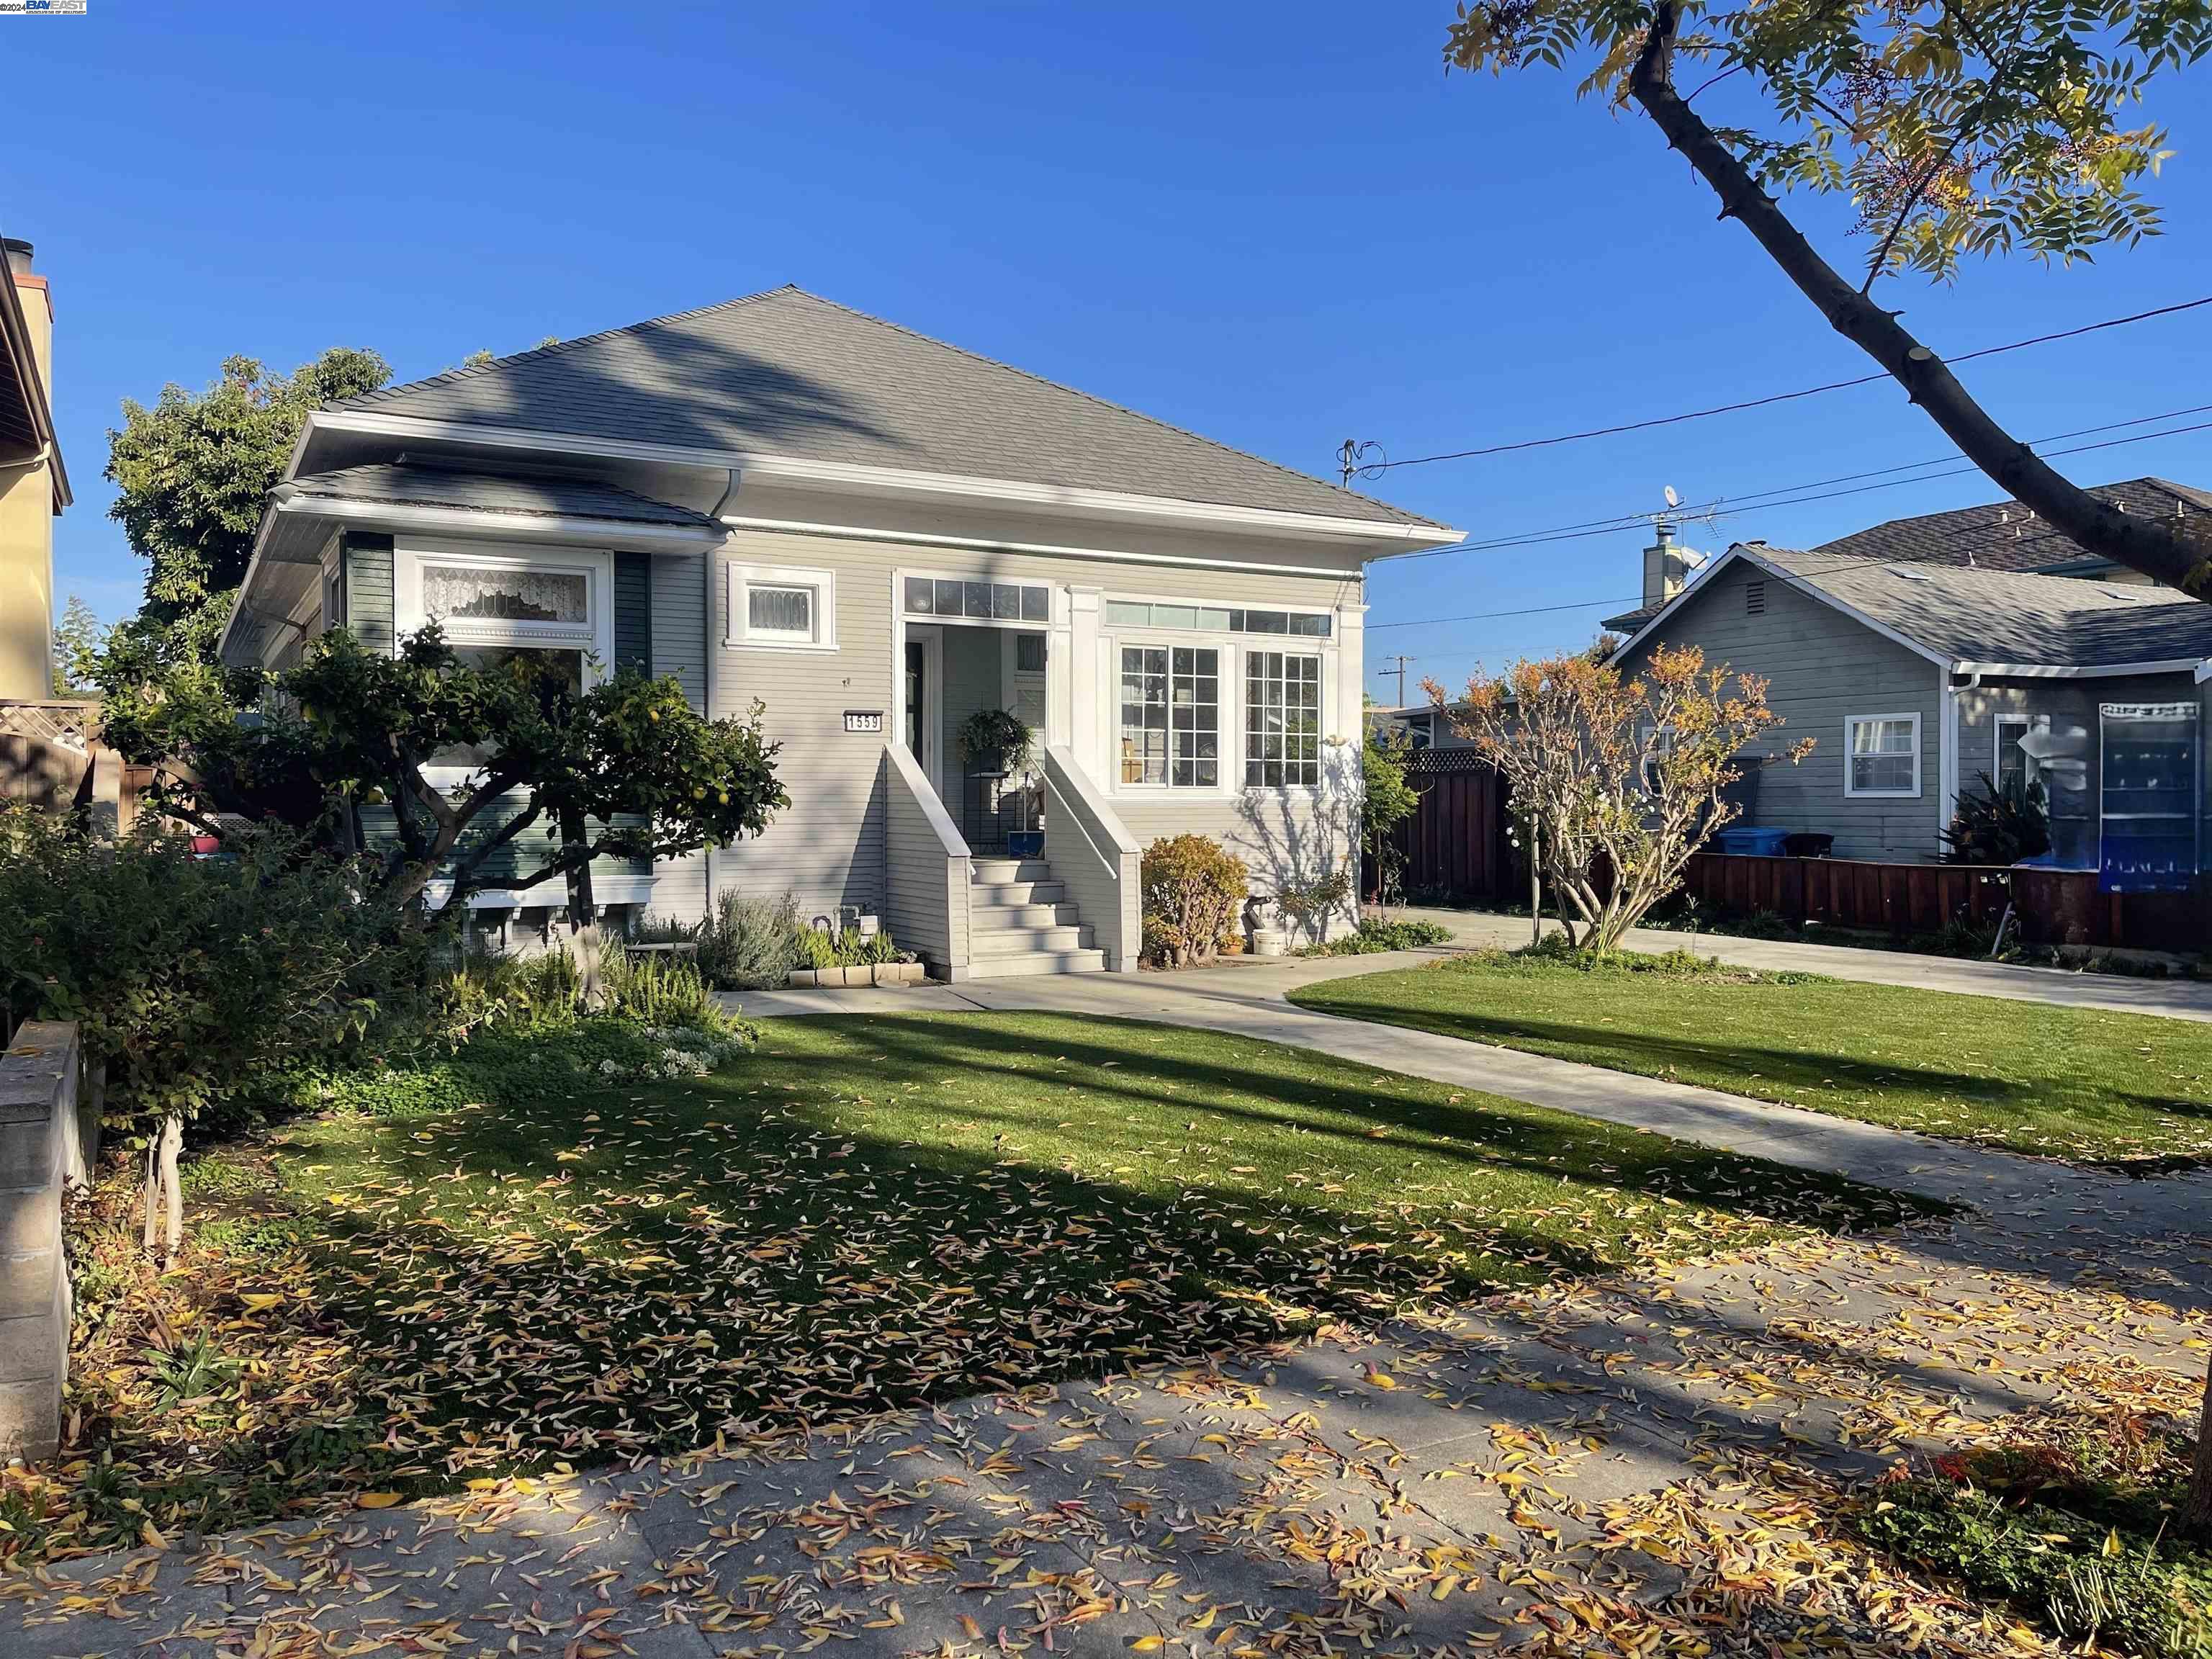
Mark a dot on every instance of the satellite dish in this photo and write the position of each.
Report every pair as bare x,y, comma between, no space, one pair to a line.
1673,499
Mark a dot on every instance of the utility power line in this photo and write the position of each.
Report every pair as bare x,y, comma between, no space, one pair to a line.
1349,451
1809,570
1726,506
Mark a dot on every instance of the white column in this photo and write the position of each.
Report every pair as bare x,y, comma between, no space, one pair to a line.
1350,673
1059,669
1086,735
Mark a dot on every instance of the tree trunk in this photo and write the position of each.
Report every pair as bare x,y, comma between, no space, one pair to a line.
583,917
2155,547
2200,1479
1535,887
164,1195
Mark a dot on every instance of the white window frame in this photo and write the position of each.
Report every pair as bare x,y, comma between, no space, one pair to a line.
737,633
1851,724
2028,772
1324,684
595,637
1224,659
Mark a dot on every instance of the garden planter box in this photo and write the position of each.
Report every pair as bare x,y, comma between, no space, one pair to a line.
873,973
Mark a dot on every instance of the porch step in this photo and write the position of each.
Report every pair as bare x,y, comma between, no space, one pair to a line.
1043,913
1037,961
1027,941
996,872
999,893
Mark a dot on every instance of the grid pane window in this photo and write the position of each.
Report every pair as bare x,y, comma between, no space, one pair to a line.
1885,755
1171,716
1282,720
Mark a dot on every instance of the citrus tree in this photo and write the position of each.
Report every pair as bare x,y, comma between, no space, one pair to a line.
1620,781
1955,128
468,757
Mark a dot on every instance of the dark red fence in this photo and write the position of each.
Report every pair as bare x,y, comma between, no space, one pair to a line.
2053,907
1453,845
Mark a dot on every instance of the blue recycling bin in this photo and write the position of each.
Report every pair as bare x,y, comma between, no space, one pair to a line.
1744,841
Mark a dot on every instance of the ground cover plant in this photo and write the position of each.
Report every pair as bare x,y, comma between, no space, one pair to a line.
1379,933
542,1262
2079,1529
2080,1083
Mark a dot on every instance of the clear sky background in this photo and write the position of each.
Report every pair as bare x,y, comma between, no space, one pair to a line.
1280,226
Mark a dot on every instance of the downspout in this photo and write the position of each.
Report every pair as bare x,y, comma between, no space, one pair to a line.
714,662
1950,784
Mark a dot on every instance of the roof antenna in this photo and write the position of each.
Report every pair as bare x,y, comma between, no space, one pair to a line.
1351,456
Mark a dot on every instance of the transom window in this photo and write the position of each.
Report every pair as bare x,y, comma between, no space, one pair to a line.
1882,754
1171,716
972,601
1218,619
1282,720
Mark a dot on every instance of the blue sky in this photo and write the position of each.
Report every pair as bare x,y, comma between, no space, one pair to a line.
1281,227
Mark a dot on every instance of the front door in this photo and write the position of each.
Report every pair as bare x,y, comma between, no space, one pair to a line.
922,700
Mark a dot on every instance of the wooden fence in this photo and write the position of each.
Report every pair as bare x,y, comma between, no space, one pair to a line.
1455,851
2052,907
52,758
1453,845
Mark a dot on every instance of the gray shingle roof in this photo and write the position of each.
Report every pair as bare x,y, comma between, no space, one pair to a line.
2000,536
789,373
485,492
1998,615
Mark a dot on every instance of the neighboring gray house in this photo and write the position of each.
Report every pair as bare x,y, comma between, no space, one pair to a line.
1915,678
873,534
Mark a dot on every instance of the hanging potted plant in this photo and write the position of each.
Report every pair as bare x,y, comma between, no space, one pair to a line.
992,740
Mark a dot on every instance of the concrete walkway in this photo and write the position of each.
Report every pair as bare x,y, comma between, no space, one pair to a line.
2171,999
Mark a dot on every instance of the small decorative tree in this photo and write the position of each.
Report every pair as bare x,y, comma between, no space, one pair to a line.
1193,888
1618,782
1386,800
625,768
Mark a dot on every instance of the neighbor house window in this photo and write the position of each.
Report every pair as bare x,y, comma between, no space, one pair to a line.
1171,716
1657,743
1282,720
2015,766
783,609
1882,755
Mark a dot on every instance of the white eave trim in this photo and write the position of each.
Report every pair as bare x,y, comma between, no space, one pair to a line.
1739,551
1047,550
879,480
2028,671
292,501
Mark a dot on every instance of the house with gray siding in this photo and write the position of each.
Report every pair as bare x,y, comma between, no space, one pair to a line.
1917,679
870,535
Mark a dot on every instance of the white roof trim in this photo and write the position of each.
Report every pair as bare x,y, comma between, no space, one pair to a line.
1739,551
2204,671
842,475
1051,550
2016,671
293,501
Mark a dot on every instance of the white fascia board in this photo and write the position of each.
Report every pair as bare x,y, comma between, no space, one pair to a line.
1781,573
505,526
1051,550
2029,671
879,480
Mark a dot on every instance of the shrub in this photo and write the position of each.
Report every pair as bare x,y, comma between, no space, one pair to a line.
848,948
1994,825
1193,891
189,975
749,944
1309,904
1377,933
2080,1535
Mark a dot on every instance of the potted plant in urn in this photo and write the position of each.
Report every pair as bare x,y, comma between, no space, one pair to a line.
995,743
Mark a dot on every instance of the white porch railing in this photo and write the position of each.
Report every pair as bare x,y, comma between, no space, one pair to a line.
926,895
1094,855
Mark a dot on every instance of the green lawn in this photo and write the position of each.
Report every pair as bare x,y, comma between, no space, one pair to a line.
2075,1083
863,1213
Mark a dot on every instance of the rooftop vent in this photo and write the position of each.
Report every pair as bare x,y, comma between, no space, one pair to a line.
1904,575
